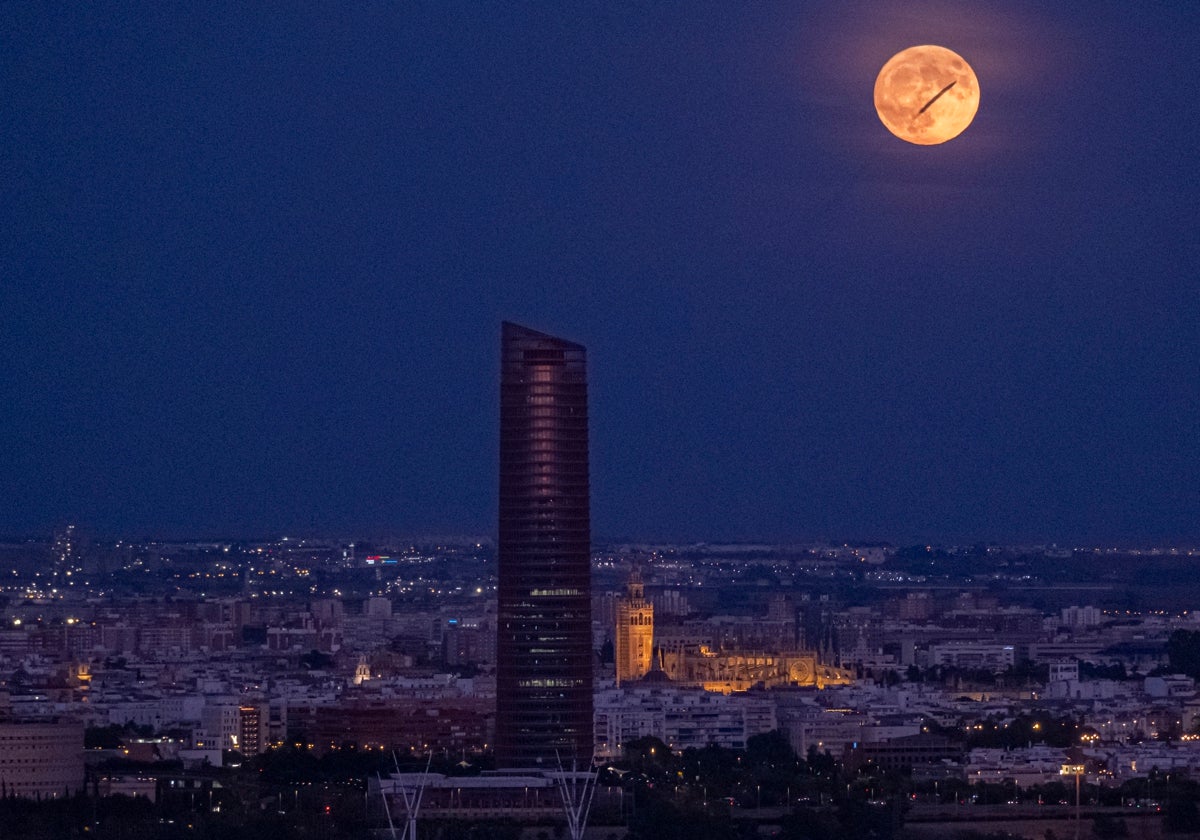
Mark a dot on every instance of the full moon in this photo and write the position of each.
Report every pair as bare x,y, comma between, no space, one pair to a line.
926,95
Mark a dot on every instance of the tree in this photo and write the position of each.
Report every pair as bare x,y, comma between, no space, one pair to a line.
770,748
1183,649
658,819
1106,825
862,819
102,737
647,749
809,824
820,763
314,660
1092,671
1182,816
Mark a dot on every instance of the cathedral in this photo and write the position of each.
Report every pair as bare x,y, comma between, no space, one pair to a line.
718,668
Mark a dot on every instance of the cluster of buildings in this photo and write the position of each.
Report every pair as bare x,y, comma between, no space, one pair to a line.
682,679
535,663
247,698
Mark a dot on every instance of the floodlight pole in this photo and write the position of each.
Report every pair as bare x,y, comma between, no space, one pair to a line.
576,796
1077,802
386,810
412,800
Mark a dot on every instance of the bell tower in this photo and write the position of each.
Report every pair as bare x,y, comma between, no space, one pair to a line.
633,637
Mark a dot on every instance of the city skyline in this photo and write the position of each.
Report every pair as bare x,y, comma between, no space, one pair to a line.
254,262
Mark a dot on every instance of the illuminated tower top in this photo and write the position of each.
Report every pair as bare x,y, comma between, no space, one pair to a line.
633,636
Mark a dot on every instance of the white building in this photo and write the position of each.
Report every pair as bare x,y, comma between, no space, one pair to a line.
680,717
994,657
1171,685
1023,767
1081,616
220,724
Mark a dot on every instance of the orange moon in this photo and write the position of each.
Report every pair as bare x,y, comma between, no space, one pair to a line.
926,95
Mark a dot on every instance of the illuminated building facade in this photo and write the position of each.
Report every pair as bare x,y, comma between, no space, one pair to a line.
543,635
633,635
66,557
252,728
728,671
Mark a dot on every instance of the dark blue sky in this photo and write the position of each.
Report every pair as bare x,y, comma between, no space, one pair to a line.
253,263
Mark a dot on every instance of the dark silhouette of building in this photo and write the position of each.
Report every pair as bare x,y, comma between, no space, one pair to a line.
904,753
413,727
543,642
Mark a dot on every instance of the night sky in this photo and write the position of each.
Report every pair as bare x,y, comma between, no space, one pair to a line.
254,260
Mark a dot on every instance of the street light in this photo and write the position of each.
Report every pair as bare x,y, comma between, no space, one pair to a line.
1077,771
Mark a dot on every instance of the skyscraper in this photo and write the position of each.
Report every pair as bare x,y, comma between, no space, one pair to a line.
544,627
66,555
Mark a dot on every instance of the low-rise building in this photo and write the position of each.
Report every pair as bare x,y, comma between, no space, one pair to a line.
41,758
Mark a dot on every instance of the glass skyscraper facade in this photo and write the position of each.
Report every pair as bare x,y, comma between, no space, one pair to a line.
544,628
